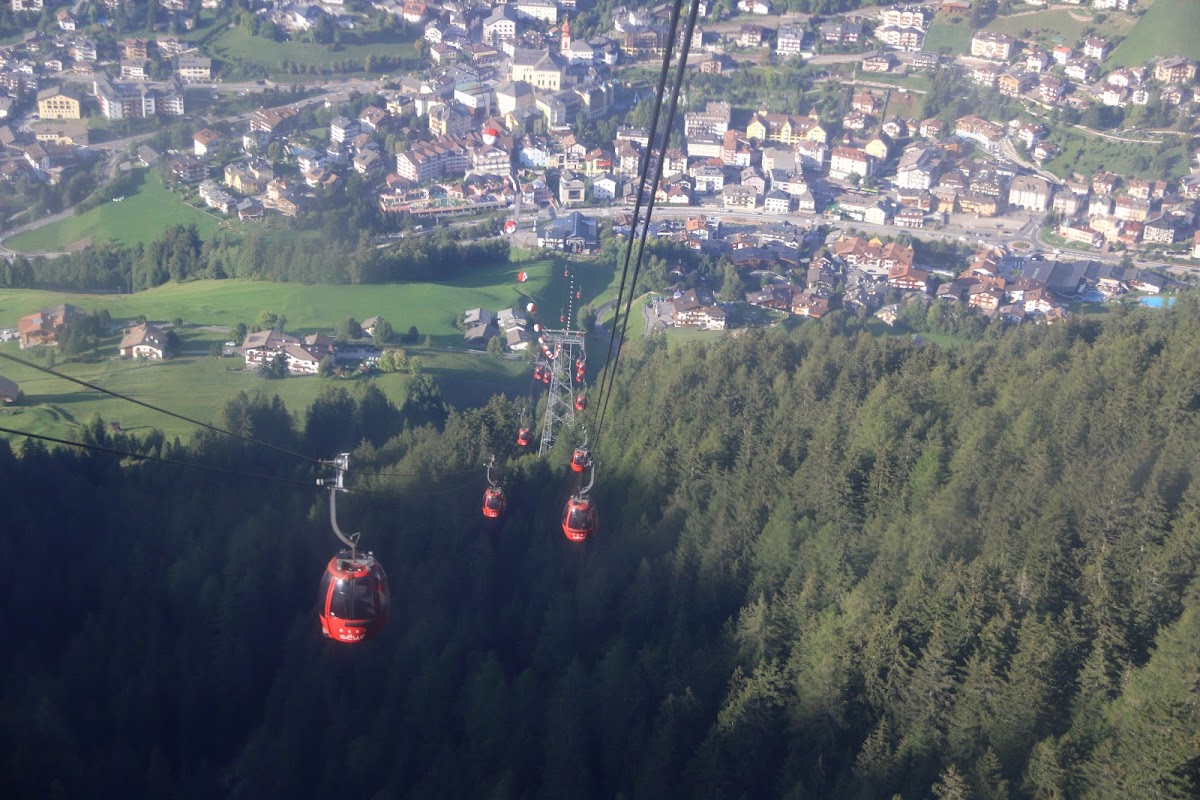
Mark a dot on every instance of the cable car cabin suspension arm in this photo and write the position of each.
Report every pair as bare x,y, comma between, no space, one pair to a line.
491,461
335,485
591,482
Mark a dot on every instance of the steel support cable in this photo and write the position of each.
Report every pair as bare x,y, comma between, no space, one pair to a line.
211,468
680,70
659,94
251,440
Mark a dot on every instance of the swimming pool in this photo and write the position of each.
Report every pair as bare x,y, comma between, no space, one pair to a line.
1157,301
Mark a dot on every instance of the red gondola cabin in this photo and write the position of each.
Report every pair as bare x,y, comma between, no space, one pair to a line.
524,437
354,598
581,402
493,502
580,459
579,518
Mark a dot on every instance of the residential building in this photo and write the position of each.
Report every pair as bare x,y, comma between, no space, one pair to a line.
713,121
188,169
840,32
900,37
136,70
1051,89
689,311
908,278
984,133
424,161
1175,70
341,129
144,341
1080,70
777,202
1097,48
786,129
545,10
878,62
850,161
193,69
911,15
215,197
1082,234
995,46
1030,193
203,140
121,101
42,327
789,41
54,103
740,197
501,25
273,121
1016,83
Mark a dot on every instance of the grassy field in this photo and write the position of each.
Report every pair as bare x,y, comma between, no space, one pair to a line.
199,386
1045,25
1086,154
140,217
433,307
944,34
1169,28
235,46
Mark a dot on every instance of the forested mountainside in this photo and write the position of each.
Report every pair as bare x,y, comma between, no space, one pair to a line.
829,565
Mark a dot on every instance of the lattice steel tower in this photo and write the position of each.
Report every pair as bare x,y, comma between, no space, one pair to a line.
568,347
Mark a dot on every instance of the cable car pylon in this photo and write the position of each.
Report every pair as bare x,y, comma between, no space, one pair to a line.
565,348
354,597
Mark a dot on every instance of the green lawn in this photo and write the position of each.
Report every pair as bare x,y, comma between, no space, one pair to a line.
946,34
432,307
199,386
1169,28
1045,25
235,47
1086,154
597,281
140,217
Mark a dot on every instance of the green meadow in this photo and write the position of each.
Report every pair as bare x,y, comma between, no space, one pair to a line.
1068,23
235,47
1169,28
197,385
140,217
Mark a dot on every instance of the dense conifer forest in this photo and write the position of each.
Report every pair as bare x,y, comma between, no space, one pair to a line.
829,565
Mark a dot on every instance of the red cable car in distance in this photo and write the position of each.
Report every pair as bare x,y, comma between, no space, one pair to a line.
524,437
581,402
354,596
582,457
